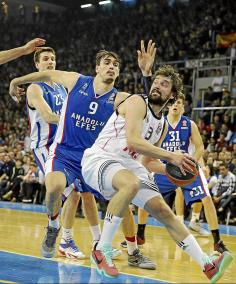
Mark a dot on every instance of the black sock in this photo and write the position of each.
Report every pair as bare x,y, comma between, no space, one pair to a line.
216,235
141,230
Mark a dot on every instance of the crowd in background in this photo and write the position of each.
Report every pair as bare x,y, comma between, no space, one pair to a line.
182,31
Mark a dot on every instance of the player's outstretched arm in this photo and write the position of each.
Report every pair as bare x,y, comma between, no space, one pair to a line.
29,47
67,79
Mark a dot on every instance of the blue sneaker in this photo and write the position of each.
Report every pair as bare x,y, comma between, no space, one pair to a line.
68,249
48,248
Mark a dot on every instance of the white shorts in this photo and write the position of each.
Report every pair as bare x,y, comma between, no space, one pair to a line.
99,168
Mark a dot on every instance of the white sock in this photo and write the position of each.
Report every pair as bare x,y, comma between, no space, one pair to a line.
66,234
195,217
110,227
192,248
54,223
131,245
180,218
96,232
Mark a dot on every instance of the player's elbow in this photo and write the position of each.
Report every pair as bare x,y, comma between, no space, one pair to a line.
132,144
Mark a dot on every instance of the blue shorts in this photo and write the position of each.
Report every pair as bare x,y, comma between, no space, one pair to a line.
192,192
69,163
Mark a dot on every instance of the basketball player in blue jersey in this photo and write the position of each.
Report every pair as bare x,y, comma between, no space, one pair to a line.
183,135
88,106
44,103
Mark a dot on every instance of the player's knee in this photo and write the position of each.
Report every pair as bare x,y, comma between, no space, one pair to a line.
163,211
131,186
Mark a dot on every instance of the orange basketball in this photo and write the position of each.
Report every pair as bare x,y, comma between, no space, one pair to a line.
175,175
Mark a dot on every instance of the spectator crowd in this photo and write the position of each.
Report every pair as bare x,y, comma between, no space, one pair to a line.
182,31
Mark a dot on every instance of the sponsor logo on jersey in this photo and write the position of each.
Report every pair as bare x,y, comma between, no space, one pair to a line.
111,99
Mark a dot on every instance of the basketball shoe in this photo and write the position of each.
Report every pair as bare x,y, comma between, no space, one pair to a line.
138,260
68,249
214,268
196,227
220,247
48,245
102,259
115,252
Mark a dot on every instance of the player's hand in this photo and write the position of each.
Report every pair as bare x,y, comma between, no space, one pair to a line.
33,45
16,92
146,57
183,161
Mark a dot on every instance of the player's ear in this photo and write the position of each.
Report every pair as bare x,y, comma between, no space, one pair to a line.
37,65
97,68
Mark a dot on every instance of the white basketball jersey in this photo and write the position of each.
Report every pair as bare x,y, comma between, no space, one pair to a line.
113,137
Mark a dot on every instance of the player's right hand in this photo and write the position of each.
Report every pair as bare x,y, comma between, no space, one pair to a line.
184,161
16,92
146,57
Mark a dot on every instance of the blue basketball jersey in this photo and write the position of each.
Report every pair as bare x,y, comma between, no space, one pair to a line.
178,138
83,117
42,133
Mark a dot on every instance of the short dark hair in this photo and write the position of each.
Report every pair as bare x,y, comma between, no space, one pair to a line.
223,164
103,53
41,50
177,82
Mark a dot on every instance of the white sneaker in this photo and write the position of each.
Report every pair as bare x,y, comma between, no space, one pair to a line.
115,253
68,249
196,227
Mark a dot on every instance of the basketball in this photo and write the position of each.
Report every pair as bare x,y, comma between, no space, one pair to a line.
175,175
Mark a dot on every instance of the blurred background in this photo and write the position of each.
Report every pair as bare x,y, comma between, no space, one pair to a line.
197,37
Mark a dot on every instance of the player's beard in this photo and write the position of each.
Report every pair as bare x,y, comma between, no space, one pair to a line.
158,101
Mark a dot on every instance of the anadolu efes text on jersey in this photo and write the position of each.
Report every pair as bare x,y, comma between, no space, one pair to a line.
41,132
178,138
113,136
84,115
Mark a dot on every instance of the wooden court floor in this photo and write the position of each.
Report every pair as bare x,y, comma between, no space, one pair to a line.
21,232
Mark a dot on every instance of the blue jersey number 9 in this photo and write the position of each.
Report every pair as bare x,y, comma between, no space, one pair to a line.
93,108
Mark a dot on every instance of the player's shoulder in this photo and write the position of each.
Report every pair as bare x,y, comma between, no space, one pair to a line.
34,88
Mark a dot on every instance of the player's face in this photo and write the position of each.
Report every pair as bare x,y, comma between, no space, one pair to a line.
160,91
177,108
108,70
47,61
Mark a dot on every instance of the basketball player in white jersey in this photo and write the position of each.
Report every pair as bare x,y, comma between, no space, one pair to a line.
29,47
44,103
110,166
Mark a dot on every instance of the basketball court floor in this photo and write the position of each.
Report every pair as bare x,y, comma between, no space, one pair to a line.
22,230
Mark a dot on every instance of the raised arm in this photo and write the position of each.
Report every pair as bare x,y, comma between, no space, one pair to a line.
35,100
146,59
29,47
67,79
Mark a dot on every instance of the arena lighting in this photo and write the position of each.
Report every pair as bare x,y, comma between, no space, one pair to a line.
85,5
104,2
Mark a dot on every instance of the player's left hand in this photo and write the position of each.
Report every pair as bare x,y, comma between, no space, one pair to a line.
146,57
32,45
